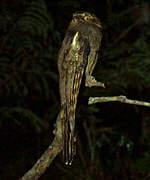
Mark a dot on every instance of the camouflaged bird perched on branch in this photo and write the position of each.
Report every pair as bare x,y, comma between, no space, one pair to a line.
78,54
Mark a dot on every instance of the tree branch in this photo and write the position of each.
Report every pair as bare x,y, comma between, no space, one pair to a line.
122,99
46,159
56,146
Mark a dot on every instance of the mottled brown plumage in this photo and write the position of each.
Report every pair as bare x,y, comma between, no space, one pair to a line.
78,53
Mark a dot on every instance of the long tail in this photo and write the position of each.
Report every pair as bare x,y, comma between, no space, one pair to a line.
69,138
69,148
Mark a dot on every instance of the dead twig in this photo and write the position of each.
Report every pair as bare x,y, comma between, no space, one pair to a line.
122,99
46,159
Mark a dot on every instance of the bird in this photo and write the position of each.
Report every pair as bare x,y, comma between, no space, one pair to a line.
77,56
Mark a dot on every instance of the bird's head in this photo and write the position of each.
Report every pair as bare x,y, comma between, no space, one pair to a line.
86,17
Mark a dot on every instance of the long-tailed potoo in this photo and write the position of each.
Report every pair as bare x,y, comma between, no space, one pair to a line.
78,54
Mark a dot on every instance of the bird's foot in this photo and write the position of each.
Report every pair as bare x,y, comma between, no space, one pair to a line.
91,81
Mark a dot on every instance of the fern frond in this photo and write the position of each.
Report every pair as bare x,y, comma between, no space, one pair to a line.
34,19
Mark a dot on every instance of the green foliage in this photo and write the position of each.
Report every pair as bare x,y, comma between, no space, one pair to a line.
132,65
110,146
19,115
34,19
28,59
141,163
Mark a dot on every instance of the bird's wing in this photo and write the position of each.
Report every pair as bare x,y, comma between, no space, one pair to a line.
95,42
71,64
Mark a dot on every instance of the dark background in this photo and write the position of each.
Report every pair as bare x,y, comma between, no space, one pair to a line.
113,138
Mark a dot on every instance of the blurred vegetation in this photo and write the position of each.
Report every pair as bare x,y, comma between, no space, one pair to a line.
113,138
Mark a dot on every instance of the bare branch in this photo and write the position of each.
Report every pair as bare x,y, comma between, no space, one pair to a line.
56,146
122,99
46,159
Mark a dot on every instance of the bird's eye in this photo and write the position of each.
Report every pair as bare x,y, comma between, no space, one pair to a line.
87,18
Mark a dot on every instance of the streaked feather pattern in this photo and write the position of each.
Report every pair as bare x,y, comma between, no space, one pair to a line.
78,51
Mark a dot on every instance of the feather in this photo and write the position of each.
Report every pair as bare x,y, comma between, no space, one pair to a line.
77,54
